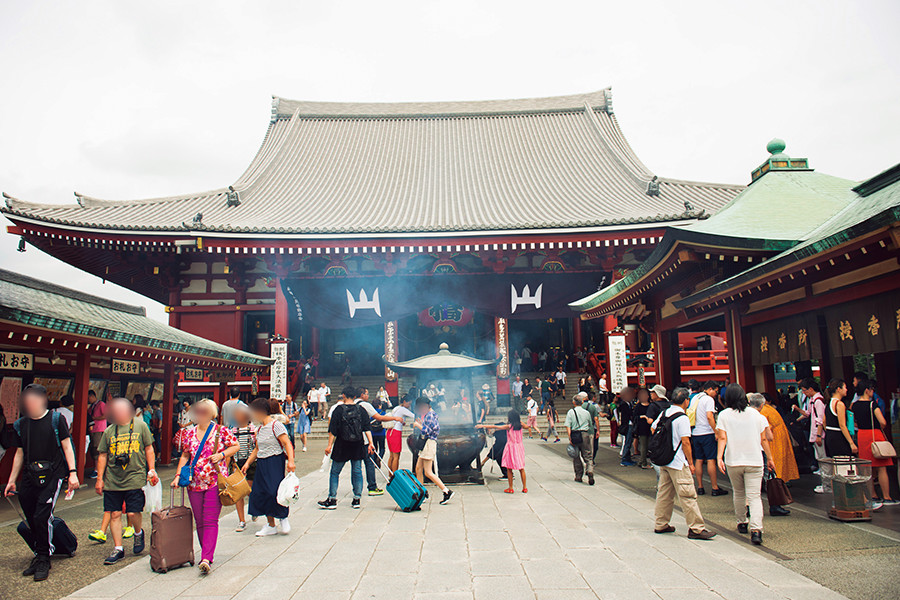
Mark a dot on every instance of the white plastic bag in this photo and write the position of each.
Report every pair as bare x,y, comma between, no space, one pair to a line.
153,497
288,490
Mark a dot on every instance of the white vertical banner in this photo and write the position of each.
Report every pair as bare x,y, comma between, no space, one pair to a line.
278,371
618,363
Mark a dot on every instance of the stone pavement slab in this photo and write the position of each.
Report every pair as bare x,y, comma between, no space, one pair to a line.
562,540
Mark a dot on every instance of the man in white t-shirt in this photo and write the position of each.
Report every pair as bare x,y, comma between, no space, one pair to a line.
312,398
229,408
532,407
395,432
65,410
703,437
561,378
675,477
363,401
323,391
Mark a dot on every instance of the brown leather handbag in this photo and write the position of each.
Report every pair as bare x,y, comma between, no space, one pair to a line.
234,486
777,492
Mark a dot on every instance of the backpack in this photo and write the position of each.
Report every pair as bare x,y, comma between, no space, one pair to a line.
54,421
659,449
691,411
351,427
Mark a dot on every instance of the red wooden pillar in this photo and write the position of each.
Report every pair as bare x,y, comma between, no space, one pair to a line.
282,324
221,394
391,354
577,340
79,425
737,351
165,451
667,359
771,386
314,340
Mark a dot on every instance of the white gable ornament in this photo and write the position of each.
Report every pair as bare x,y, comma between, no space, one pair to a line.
526,298
364,303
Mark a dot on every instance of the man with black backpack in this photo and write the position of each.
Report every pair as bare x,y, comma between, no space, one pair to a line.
376,420
670,450
44,452
349,439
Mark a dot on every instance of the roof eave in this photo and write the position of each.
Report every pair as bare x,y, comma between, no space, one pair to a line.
671,240
737,282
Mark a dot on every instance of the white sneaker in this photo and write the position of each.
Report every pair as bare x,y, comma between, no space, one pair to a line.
876,505
283,526
304,448
241,526
819,489
266,530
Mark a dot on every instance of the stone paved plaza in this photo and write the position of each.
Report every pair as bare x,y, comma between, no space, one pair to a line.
562,540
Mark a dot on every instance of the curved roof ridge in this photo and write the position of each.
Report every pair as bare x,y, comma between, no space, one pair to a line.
284,107
727,186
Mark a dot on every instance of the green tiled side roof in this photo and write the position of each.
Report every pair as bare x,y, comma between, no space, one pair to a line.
860,216
776,213
38,303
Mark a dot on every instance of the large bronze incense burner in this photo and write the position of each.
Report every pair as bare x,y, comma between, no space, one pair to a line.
459,444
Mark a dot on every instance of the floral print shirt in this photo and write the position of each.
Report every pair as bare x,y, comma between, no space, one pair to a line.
206,472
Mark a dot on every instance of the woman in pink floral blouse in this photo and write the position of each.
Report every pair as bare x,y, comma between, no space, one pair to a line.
204,488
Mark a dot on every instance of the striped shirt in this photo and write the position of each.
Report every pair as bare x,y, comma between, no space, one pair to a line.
267,443
246,438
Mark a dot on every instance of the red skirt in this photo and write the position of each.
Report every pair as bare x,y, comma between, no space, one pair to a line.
864,438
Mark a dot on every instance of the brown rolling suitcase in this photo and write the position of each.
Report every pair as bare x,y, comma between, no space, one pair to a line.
171,536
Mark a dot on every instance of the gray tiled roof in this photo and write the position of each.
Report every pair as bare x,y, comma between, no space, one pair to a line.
42,304
339,168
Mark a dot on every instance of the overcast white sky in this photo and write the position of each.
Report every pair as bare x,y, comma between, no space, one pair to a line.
125,100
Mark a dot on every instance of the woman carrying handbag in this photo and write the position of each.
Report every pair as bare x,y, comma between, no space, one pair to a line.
871,441
199,468
273,455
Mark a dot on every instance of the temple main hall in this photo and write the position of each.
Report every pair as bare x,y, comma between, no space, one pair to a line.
365,231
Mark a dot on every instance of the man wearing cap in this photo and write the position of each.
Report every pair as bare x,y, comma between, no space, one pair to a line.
675,478
658,403
578,420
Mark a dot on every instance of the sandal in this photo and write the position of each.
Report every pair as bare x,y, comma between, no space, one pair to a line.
510,491
524,490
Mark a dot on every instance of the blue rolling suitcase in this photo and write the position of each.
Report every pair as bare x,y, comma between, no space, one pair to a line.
404,488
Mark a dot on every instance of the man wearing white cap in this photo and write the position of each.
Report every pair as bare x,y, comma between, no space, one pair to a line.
659,402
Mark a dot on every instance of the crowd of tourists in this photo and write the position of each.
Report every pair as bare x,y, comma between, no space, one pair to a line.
698,433
704,431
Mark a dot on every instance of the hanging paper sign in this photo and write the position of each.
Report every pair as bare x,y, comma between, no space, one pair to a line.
254,385
391,343
444,315
278,370
125,367
618,362
16,361
501,337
